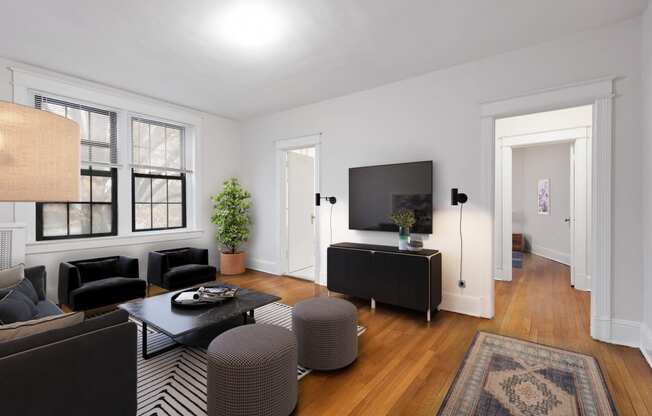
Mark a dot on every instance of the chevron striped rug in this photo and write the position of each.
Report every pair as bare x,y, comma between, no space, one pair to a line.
174,383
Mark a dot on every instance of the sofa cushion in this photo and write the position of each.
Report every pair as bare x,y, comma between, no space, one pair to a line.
188,275
10,277
178,258
37,326
16,307
27,288
90,271
107,292
46,308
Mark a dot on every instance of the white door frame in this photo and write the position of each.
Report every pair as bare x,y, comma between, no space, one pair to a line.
282,147
600,93
503,191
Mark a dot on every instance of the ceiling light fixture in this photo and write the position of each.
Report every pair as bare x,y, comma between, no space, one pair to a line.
251,25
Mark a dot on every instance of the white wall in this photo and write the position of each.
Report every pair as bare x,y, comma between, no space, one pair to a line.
646,327
546,235
436,117
218,160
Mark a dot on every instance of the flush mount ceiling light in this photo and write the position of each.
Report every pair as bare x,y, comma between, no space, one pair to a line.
251,25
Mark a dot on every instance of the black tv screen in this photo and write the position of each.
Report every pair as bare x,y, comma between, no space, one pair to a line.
375,192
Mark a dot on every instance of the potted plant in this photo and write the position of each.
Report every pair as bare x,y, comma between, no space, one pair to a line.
405,219
231,216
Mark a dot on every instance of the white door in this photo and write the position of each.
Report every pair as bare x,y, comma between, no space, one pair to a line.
300,214
580,197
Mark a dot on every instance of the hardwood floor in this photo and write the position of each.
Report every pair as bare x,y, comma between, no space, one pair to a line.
406,365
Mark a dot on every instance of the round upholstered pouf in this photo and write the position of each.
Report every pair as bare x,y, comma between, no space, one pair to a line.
252,370
327,333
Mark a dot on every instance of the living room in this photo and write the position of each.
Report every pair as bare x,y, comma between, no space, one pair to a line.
229,88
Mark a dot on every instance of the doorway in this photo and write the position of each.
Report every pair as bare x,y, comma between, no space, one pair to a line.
297,178
544,190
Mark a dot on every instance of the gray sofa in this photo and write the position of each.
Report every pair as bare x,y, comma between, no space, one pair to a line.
86,369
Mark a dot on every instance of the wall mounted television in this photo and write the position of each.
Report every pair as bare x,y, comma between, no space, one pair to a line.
375,192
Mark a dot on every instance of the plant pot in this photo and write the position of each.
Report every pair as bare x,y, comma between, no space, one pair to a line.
232,263
403,238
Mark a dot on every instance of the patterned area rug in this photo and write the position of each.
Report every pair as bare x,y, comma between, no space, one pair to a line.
503,376
174,383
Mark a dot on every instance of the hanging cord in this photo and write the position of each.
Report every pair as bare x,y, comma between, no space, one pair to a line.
330,221
461,281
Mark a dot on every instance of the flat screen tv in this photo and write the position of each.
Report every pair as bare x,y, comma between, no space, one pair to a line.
375,192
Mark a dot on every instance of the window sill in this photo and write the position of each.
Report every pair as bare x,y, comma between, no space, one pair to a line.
54,246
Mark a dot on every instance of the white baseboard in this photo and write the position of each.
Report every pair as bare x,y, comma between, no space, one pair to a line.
261,265
558,256
646,343
468,305
625,332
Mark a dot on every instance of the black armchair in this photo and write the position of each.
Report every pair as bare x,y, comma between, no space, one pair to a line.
92,283
179,268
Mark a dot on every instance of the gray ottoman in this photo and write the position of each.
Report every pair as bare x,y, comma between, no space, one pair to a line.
327,333
252,370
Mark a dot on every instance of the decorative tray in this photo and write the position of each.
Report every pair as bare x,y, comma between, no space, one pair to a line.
203,296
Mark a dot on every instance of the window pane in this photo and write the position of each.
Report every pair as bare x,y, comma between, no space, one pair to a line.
100,128
55,221
159,190
143,216
174,212
85,189
101,189
143,191
81,118
157,141
159,216
173,148
101,218
143,133
54,108
85,153
100,154
80,219
174,190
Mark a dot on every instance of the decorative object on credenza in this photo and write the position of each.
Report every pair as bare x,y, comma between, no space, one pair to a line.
231,216
543,196
39,155
460,198
404,219
507,376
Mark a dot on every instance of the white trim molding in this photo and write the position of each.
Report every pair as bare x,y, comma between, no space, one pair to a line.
261,265
600,94
468,305
554,255
646,343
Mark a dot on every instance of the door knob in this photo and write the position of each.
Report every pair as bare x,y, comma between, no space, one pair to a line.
567,220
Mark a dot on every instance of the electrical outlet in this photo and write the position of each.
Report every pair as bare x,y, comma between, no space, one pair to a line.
461,284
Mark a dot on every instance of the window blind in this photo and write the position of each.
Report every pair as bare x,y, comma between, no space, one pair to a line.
98,128
157,147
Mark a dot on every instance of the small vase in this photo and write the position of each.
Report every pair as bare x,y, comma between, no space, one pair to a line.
403,238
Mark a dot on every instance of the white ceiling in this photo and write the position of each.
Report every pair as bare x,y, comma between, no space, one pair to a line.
172,49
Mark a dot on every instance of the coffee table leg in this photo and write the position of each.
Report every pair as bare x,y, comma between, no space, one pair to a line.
147,355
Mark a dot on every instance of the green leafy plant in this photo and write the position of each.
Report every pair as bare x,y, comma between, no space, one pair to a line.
231,215
404,218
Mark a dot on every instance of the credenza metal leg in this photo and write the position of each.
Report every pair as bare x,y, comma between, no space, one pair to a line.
428,315
373,303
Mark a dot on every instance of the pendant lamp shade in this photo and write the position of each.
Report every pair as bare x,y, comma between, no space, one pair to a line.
39,155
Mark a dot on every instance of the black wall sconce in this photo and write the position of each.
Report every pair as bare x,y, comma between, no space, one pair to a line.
458,197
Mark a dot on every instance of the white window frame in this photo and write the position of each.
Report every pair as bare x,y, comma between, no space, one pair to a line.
27,83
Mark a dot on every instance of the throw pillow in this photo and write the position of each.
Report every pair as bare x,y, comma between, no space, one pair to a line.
27,288
16,307
37,326
10,277
178,258
90,271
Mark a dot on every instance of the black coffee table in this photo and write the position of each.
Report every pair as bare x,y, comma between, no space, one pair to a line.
194,326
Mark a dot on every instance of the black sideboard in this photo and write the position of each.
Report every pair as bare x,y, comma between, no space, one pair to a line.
385,274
